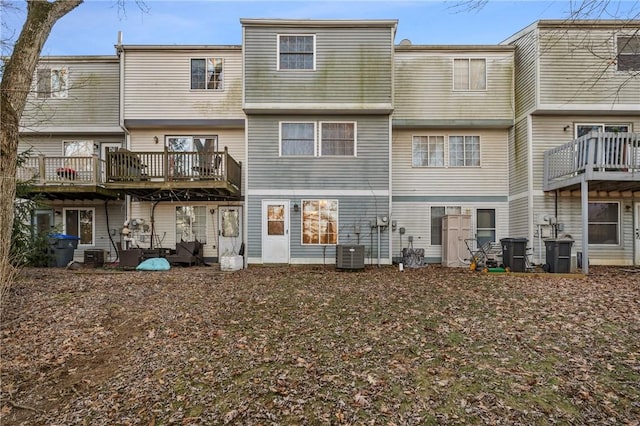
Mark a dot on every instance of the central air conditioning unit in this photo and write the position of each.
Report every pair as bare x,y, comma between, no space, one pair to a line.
350,257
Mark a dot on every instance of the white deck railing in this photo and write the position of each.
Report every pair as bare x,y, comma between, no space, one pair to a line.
595,152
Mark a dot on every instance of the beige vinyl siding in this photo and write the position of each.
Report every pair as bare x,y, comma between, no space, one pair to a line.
490,179
368,170
424,86
101,231
415,218
53,145
569,214
526,73
353,65
165,223
578,67
519,158
519,216
158,85
92,101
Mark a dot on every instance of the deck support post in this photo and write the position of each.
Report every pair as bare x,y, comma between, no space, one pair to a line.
584,195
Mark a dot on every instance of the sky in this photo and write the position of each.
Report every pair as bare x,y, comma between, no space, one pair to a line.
92,28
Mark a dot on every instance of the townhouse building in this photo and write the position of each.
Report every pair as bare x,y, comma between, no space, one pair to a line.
318,133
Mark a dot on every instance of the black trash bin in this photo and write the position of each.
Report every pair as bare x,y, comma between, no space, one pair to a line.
514,252
558,255
61,248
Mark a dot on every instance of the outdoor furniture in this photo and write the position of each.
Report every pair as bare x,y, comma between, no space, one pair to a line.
129,258
66,173
189,252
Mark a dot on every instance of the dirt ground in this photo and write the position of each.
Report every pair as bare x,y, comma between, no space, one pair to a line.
312,345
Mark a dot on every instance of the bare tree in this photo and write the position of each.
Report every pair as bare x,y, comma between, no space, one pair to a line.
16,81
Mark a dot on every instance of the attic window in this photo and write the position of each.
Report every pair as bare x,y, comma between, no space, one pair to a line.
628,53
296,52
52,83
207,74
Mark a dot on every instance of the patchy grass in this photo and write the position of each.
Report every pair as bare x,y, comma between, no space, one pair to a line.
309,345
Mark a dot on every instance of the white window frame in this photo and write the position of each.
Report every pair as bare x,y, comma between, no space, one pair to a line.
93,224
203,227
337,222
355,139
469,75
464,146
55,91
427,156
602,126
315,139
618,224
206,82
279,68
620,53
494,229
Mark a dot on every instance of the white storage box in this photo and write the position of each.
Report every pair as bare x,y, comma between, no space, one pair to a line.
231,263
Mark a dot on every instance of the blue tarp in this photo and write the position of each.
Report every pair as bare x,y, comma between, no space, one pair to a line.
154,264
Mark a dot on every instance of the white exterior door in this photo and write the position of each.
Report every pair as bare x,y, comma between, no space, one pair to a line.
275,231
636,234
230,230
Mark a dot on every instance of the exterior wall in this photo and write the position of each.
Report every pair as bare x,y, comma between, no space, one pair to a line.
424,85
103,233
353,65
569,215
369,170
164,217
490,179
416,189
415,217
576,68
353,210
548,132
92,101
526,73
158,84
360,184
53,144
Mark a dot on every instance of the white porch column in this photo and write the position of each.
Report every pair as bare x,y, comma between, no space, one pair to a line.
584,195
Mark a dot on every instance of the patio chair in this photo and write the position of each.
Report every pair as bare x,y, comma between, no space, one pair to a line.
187,252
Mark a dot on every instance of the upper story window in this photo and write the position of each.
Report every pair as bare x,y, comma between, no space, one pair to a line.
207,74
297,139
586,128
628,53
469,74
296,52
464,151
428,151
338,139
53,83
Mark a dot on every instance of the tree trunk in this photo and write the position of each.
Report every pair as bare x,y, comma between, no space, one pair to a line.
14,89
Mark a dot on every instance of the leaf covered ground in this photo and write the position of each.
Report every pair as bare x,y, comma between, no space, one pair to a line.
311,345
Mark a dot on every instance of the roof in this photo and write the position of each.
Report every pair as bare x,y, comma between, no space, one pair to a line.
578,24
311,23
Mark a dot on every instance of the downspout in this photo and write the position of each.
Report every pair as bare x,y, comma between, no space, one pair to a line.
121,56
555,214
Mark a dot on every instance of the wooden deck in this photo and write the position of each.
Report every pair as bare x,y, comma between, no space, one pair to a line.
145,175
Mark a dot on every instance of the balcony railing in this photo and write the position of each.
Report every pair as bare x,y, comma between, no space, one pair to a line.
598,155
123,166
